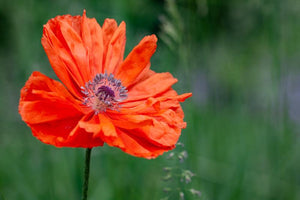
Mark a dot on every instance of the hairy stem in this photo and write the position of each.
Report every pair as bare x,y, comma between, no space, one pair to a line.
85,186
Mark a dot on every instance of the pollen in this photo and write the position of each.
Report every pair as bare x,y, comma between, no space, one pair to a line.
104,92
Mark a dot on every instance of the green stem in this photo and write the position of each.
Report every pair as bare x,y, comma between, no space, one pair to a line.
85,186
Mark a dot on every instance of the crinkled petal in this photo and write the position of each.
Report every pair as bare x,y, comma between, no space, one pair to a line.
153,103
158,122
150,87
92,37
145,74
76,51
109,134
65,133
137,60
55,132
154,129
139,147
115,49
101,127
61,62
78,48
44,99
152,125
109,27
85,133
60,56
51,111
130,121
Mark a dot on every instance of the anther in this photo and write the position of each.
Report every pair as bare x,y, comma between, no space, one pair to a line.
104,92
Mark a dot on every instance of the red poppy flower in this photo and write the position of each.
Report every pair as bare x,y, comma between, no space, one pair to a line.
102,98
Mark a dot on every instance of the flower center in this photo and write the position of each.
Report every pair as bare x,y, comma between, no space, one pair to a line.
104,92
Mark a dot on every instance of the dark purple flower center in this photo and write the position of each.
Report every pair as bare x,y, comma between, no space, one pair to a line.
104,91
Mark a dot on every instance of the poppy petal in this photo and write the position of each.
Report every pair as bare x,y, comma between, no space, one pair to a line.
137,60
109,134
55,132
152,86
74,46
130,121
155,124
90,123
65,133
44,99
61,61
51,111
108,29
76,50
170,98
161,128
115,49
138,147
84,134
103,128
93,40
146,73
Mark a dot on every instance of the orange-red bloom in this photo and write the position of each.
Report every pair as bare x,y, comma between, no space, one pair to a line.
102,98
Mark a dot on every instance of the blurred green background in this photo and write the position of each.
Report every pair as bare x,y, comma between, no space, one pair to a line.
239,58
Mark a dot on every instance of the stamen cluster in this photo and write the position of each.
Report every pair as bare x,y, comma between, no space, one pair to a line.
104,92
